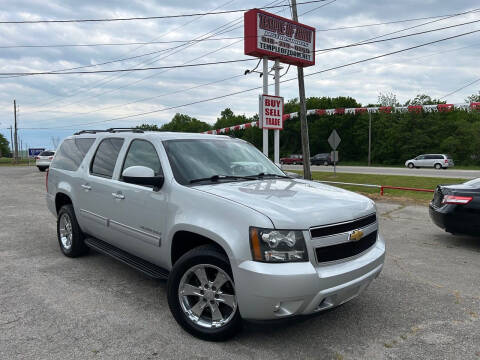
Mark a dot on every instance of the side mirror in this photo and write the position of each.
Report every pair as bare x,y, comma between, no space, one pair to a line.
142,175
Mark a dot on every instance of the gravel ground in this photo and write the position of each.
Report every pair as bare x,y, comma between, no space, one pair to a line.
424,305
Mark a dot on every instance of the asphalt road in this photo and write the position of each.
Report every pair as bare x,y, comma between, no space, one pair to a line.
424,305
448,173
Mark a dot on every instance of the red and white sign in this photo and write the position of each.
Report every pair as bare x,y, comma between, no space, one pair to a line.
271,112
278,38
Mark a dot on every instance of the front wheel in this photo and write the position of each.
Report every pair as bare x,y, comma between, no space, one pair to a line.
410,165
201,295
325,163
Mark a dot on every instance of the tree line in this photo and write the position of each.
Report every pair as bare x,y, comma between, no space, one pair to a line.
396,137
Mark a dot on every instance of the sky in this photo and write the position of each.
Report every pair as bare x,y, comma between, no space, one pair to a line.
55,106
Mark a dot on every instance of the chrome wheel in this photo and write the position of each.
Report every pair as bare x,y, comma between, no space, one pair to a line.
66,232
207,296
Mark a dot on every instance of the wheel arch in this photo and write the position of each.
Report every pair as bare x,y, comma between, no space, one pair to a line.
62,199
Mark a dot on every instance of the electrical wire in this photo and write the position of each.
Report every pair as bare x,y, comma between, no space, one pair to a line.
282,81
151,17
461,88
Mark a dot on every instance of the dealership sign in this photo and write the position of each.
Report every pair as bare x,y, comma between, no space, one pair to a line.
279,38
271,112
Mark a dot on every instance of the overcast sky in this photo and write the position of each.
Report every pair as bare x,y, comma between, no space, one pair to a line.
72,102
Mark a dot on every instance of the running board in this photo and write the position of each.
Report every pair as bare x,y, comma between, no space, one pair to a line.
135,262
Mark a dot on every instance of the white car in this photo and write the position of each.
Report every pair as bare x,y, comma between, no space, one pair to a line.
235,236
437,161
43,160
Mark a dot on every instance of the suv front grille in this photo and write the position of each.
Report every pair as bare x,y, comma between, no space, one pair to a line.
343,227
345,250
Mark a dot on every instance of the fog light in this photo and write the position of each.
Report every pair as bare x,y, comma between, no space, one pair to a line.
276,307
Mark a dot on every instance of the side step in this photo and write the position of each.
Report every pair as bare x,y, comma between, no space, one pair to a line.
145,267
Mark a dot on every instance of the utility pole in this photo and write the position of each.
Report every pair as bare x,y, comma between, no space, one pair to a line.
369,138
16,142
11,139
303,112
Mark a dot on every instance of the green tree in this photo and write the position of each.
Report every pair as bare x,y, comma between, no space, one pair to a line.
180,123
424,99
4,147
473,98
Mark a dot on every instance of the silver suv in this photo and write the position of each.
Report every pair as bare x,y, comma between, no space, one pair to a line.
236,237
437,161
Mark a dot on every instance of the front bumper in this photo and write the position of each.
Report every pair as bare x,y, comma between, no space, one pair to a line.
271,291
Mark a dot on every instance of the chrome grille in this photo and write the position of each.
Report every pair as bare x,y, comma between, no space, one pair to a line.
338,228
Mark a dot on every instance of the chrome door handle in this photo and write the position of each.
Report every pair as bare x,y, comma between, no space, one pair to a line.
118,196
87,187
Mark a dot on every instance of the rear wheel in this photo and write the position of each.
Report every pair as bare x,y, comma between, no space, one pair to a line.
70,237
325,163
437,166
201,294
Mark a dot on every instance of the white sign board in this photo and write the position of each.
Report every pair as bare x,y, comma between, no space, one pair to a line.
271,112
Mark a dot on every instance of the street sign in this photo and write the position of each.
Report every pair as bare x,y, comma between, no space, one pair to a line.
35,151
334,156
280,38
334,139
271,112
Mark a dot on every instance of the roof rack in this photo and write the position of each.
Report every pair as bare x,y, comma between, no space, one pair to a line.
111,130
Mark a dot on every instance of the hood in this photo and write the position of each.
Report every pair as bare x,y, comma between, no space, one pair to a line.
294,203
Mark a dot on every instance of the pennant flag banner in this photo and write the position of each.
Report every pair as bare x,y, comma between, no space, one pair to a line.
341,111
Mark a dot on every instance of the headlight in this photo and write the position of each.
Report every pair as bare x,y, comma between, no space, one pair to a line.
269,245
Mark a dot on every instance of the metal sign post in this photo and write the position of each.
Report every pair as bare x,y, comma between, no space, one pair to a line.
265,92
334,141
276,133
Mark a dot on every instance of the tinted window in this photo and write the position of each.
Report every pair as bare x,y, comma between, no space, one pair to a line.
106,156
46,153
430,157
71,153
421,157
143,153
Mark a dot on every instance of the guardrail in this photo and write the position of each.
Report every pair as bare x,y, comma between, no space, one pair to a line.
381,187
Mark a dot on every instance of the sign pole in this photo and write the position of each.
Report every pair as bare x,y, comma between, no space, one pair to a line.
16,139
265,92
276,133
369,138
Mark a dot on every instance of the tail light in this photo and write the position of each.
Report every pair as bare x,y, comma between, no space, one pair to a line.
456,200
46,180
37,157
51,158
446,161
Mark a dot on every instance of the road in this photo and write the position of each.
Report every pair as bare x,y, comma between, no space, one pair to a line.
449,173
424,305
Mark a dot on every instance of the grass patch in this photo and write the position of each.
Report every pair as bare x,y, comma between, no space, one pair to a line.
392,180
9,162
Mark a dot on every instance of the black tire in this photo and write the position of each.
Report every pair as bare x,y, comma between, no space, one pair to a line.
42,169
410,165
77,247
206,254
437,166
294,163
325,163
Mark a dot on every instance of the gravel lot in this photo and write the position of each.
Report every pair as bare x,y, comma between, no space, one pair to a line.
424,305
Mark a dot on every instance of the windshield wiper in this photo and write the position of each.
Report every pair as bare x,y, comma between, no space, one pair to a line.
215,178
262,175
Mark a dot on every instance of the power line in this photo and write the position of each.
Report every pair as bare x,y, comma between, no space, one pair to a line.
282,81
460,88
222,38
57,72
150,17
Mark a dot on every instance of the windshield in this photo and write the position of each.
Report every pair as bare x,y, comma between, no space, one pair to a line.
193,159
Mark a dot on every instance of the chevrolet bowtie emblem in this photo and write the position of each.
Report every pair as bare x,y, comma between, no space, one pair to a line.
355,235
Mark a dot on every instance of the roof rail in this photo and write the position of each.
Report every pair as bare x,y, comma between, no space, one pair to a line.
111,130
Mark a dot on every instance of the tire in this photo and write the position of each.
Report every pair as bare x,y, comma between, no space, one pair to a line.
42,169
70,237
325,163
437,166
410,165
294,163
200,324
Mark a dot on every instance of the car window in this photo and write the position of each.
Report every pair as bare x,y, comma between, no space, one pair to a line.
106,156
46,153
420,157
71,153
430,157
142,153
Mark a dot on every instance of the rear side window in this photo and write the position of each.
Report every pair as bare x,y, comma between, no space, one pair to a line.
71,153
46,153
143,153
106,156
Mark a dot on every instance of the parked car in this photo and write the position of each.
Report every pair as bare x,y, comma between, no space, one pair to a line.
437,161
293,159
456,208
43,160
321,159
235,237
